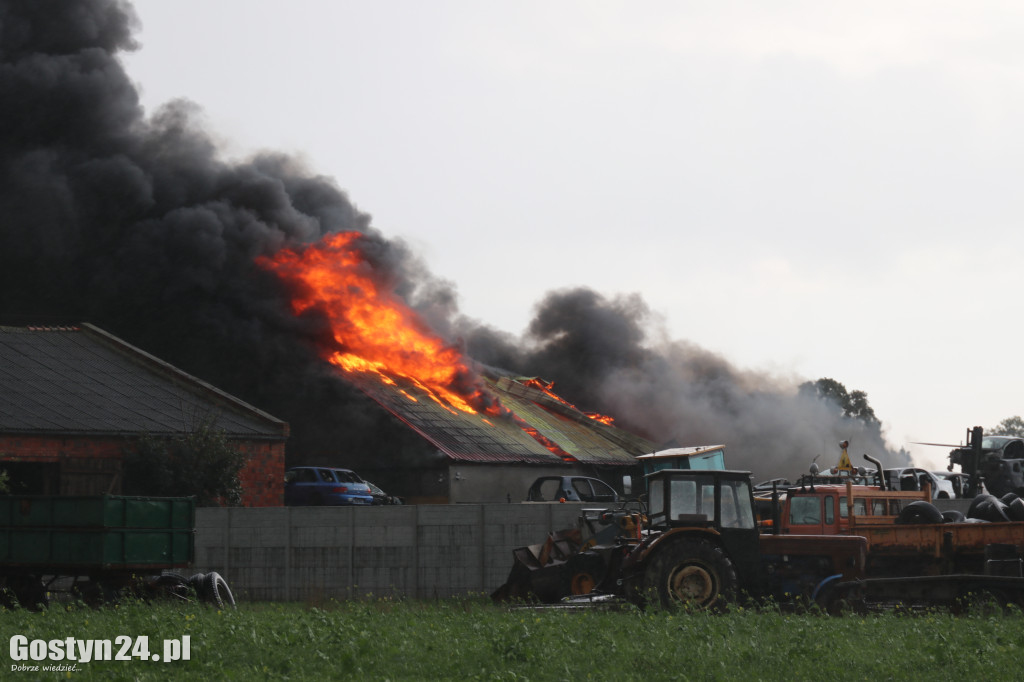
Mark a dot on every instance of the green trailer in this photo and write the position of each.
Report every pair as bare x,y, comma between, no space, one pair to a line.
99,547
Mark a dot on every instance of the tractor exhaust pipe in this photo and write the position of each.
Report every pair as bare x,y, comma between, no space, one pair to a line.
878,465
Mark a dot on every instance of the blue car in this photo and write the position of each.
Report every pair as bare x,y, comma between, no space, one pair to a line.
308,486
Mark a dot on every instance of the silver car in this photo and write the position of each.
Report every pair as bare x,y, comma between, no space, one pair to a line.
911,478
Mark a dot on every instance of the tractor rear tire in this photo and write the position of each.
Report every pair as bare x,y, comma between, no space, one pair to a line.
691,573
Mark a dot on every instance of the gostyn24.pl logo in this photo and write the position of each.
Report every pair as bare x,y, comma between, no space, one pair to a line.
29,654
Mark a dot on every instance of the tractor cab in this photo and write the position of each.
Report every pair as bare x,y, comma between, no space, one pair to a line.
716,505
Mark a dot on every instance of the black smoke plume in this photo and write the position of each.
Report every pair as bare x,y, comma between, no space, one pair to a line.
136,223
612,355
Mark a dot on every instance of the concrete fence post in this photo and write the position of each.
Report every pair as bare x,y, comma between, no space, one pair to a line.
351,552
416,569
482,575
288,555
227,543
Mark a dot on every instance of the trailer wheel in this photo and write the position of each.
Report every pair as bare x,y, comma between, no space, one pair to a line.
693,573
8,599
95,593
216,591
171,586
29,591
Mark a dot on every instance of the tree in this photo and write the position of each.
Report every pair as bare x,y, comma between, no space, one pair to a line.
854,404
1011,426
201,463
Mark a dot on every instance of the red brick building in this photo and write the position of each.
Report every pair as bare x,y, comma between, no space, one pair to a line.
73,400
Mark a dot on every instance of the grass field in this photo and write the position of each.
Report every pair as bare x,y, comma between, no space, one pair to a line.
474,640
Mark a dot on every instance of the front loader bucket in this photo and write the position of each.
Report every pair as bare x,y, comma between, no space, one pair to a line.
539,572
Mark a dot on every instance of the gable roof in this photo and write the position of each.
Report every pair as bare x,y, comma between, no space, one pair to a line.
82,380
475,437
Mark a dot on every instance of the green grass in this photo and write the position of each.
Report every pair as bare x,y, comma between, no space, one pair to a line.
475,640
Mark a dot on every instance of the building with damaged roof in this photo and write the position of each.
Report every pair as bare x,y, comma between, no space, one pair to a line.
483,458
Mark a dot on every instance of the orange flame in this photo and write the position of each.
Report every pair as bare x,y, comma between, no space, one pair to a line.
545,388
377,334
375,331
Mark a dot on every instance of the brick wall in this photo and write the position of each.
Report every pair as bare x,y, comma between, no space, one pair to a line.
84,465
50,449
263,474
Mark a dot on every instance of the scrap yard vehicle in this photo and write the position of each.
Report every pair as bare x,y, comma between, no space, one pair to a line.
911,478
697,541
570,489
995,461
99,548
907,535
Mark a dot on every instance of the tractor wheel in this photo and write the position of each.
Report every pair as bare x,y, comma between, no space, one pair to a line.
585,570
692,573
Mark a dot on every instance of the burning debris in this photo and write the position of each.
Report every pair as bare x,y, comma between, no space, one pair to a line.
135,223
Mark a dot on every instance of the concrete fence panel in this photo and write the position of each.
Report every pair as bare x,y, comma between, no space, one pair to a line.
422,551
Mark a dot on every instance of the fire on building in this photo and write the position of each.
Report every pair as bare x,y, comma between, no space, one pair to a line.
493,432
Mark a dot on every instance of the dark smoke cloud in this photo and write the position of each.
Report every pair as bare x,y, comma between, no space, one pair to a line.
137,224
612,356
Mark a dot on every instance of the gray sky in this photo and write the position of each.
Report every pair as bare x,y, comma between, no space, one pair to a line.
808,189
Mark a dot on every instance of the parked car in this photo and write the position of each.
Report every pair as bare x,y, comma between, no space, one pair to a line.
381,497
312,485
957,479
911,478
571,489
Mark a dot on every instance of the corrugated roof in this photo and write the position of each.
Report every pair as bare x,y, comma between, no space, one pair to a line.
475,437
82,380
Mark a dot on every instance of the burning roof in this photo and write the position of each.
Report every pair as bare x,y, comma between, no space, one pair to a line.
533,429
385,348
